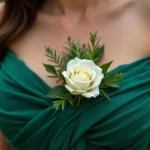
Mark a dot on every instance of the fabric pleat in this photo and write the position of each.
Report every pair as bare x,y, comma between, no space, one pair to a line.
29,121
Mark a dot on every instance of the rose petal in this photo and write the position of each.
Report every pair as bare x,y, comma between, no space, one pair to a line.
74,92
72,62
92,93
91,73
89,65
83,85
69,81
98,78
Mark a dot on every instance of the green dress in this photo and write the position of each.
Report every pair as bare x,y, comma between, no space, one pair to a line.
29,122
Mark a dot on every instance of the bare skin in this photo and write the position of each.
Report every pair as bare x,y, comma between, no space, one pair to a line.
123,26
3,144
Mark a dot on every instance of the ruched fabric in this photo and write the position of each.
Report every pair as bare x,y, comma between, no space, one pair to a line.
29,122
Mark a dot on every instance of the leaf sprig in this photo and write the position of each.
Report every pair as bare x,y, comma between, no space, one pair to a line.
55,70
74,49
62,101
94,51
110,82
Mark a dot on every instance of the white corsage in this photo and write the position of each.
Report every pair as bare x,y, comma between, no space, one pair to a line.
82,77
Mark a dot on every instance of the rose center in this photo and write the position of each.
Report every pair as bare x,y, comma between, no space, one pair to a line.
81,75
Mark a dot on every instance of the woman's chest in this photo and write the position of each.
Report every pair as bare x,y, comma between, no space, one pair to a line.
125,36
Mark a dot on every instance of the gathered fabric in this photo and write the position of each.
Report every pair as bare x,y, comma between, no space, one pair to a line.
29,122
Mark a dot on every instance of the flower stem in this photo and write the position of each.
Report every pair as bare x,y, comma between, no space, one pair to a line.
79,100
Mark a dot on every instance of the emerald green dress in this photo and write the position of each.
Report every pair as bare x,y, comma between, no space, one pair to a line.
29,122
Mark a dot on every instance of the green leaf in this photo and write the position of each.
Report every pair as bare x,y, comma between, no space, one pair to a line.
50,69
105,67
53,57
63,105
114,85
62,99
94,51
110,81
69,39
52,76
98,53
57,91
103,93
70,101
56,105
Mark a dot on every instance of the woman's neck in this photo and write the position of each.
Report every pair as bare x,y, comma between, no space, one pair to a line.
74,9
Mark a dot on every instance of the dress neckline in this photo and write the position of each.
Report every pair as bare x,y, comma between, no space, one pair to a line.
48,86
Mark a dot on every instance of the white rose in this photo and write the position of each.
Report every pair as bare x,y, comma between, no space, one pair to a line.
83,77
